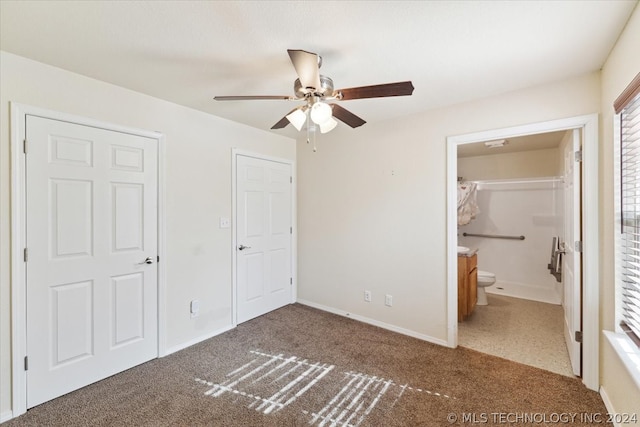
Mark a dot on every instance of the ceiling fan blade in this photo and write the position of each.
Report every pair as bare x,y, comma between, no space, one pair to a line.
251,98
346,116
283,121
377,91
306,65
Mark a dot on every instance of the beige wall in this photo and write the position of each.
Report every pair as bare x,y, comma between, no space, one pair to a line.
371,201
620,68
372,204
524,164
198,179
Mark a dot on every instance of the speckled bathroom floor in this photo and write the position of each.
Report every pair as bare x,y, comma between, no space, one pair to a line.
524,331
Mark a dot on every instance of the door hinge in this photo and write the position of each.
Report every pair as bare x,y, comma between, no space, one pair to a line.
578,336
26,363
290,230
26,254
291,280
578,156
24,146
291,180
158,258
578,246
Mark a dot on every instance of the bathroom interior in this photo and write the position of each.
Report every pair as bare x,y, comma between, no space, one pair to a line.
512,223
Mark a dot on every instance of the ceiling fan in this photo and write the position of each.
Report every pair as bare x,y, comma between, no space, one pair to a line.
315,90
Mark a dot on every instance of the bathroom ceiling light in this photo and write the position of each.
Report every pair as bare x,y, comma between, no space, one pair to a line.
496,143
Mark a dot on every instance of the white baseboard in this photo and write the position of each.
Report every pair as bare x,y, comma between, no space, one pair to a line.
194,341
524,291
6,416
608,405
374,322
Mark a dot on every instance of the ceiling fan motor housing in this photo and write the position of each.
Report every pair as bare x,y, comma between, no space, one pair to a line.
325,89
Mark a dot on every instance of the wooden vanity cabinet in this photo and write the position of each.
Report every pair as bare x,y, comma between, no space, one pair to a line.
467,285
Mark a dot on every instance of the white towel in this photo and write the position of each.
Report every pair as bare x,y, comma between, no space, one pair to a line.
467,202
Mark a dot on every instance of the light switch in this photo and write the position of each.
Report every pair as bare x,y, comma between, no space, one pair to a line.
194,307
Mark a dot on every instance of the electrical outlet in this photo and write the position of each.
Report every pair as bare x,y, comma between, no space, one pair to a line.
367,296
225,222
388,300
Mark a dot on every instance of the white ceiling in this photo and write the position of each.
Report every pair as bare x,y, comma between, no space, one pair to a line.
539,141
188,51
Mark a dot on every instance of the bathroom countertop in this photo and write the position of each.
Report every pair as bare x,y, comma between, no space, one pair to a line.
471,252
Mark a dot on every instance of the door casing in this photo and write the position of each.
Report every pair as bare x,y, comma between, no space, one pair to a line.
235,152
590,230
18,239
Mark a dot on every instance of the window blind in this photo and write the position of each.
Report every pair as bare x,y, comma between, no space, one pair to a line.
629,249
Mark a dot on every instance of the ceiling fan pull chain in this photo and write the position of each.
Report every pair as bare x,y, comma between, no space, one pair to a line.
311,135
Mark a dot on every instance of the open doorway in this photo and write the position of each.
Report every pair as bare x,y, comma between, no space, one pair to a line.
587,126
520,191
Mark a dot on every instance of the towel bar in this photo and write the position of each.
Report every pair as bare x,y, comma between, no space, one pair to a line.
494,236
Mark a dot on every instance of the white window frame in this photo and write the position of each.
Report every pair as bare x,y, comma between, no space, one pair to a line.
622,344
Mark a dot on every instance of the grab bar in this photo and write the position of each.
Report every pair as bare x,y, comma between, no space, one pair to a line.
494,236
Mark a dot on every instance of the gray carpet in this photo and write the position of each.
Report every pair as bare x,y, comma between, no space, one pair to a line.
299,366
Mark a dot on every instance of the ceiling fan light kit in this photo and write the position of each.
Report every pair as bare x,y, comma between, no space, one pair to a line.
298,117
327,125
320,112
315,89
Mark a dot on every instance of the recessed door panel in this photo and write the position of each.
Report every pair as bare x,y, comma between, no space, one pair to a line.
128,308
279,271
254,220
279,176
255,276
71,215
279,206
254,173
128,220
71,334
70,151
127,158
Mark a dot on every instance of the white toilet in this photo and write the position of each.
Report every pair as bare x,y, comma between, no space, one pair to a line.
485,279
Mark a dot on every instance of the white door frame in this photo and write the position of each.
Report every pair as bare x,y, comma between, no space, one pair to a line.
18,238
235,152
590,271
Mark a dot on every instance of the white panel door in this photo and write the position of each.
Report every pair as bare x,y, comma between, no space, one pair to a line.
571,260
91,223
263,235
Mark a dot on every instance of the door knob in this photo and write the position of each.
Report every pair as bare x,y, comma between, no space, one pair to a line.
148,260
243,247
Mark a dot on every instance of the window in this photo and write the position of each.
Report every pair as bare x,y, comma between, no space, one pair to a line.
627,106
